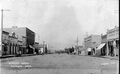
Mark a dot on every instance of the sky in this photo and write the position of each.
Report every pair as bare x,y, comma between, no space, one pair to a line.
60,22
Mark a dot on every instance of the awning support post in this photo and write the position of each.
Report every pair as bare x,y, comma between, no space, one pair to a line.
107,49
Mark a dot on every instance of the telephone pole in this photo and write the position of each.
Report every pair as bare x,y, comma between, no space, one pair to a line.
38,38
77,41
77,45
2,11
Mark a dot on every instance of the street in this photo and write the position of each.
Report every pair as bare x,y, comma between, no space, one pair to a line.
58,64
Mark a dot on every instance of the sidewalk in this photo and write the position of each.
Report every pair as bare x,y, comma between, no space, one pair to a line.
8,56
110,57
107,57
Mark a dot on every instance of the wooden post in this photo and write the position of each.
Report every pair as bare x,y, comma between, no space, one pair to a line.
107,48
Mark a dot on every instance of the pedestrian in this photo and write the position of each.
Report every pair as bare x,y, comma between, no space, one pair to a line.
42,51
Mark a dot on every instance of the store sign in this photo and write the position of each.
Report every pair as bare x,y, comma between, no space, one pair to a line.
113,35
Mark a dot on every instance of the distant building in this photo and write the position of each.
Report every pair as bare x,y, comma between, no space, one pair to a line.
80,49
92,42
45,47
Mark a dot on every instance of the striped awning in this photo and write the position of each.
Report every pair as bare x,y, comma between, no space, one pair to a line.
101,46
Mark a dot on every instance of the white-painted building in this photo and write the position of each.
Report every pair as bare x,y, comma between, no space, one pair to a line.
113,41
92,41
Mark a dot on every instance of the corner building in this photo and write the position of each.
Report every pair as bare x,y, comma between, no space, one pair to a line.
26,35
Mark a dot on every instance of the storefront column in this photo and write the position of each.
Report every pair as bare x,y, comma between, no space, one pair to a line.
118,48
107,49
16,49
115,51
12,49
114,47
8,49
95,51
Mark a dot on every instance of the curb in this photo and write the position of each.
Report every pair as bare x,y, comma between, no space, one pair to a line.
10,56
106,57
7,56
112,58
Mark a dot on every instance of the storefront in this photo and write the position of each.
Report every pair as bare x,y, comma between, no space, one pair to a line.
4,49
113,42
31,49
101,50
13,45
5,39
89,51
113,47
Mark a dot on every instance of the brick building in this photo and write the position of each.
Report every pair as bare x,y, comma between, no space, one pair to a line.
26,35
5,42
10,44
13,44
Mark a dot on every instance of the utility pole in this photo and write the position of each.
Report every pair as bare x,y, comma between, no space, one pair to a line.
77,47
44,46
38,38
2,10
77,41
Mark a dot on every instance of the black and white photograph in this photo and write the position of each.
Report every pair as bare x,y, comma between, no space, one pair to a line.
59,36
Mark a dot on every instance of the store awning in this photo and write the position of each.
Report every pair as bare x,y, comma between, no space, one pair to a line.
101,46
89,49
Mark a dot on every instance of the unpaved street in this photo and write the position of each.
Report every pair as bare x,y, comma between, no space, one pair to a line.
58,64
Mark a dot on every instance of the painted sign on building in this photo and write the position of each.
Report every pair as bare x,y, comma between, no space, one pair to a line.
113,33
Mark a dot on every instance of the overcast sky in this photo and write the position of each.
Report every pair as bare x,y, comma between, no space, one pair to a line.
59,22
